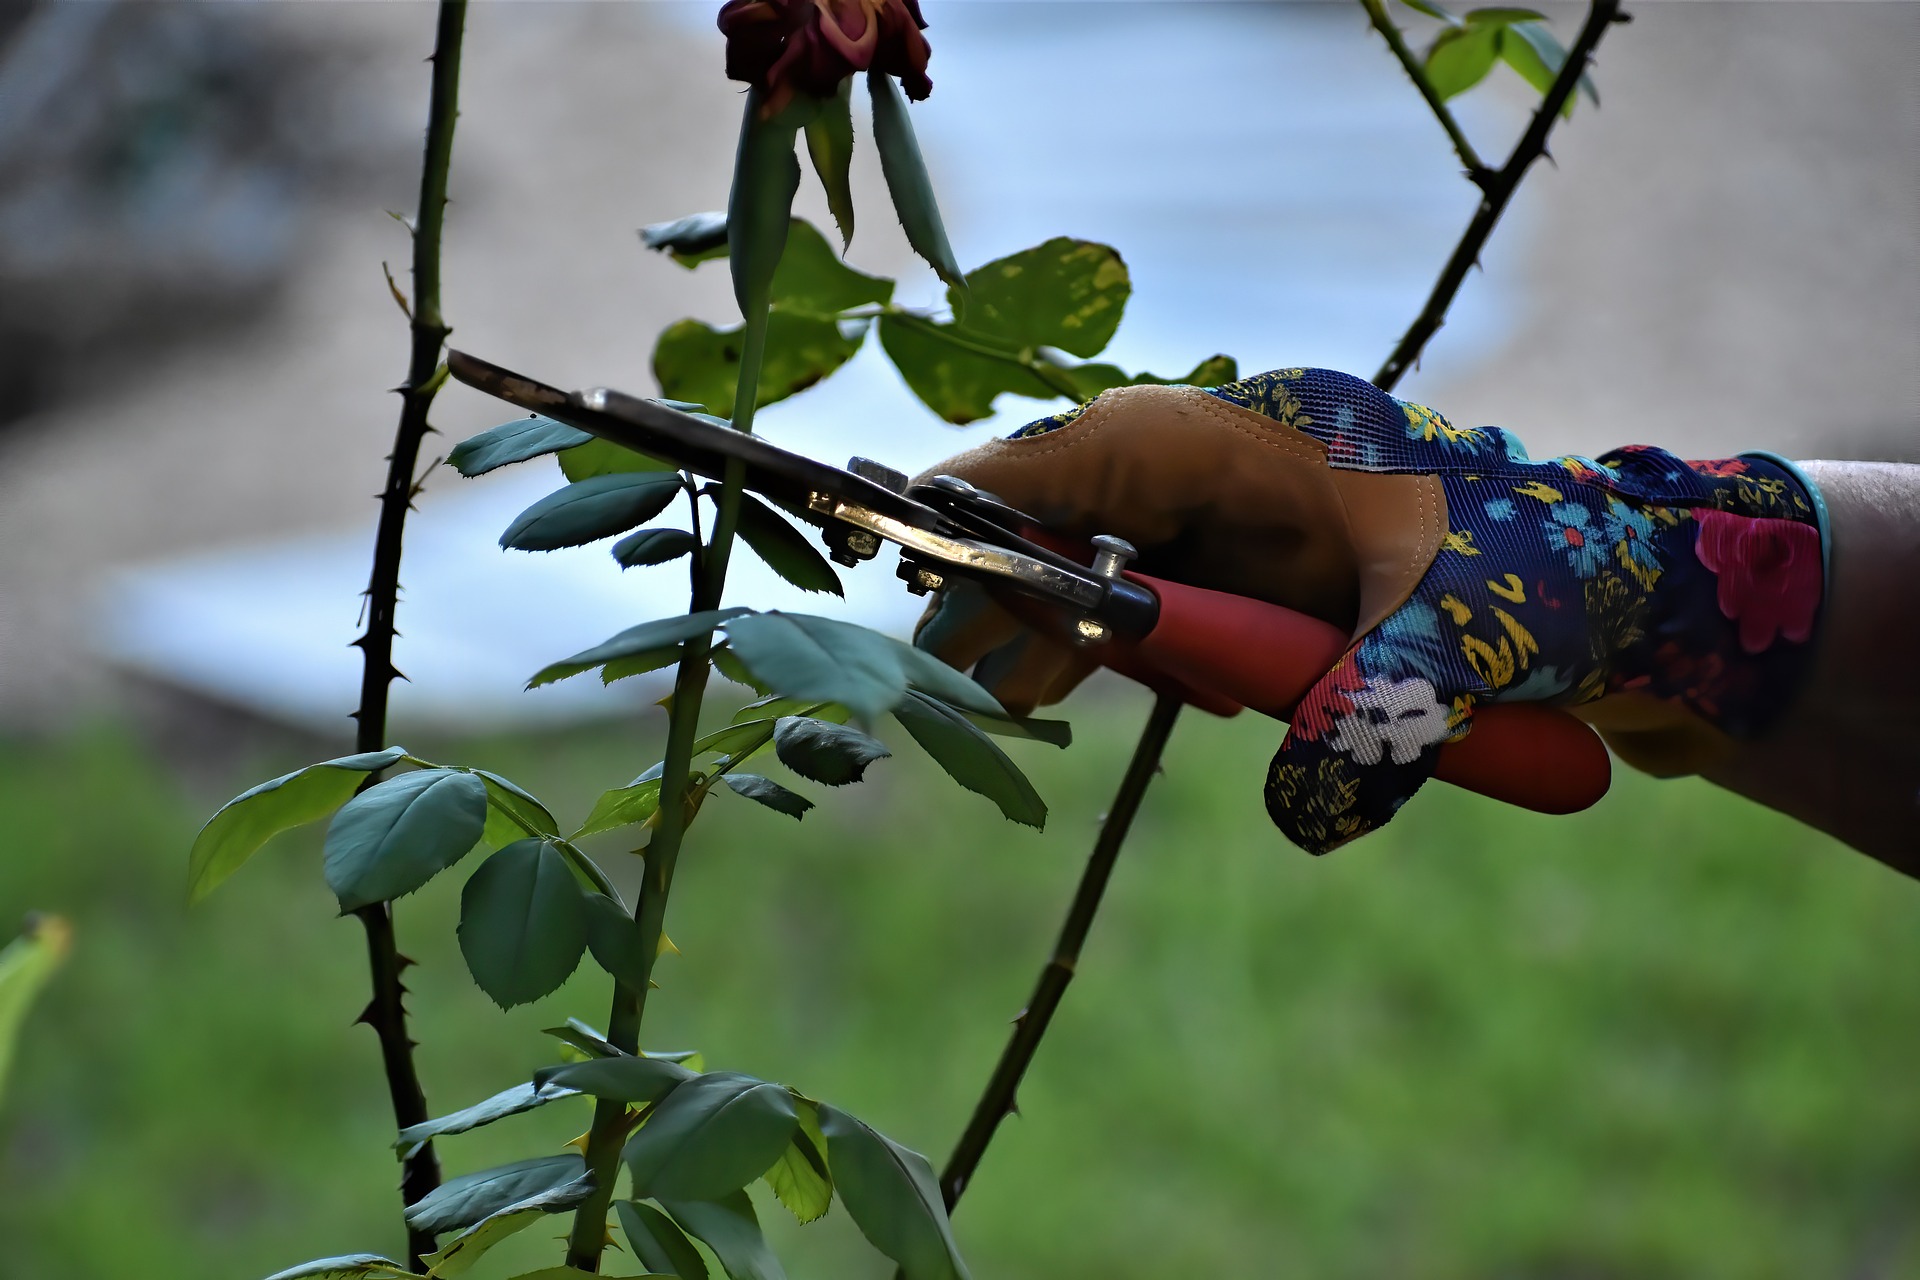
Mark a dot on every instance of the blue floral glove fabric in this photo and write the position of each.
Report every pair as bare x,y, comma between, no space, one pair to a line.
1689,586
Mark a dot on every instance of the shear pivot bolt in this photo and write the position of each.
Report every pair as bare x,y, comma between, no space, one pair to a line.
1111,555
925,580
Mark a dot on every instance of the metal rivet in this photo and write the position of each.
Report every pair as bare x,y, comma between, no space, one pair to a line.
1111,555
1090,631
956,486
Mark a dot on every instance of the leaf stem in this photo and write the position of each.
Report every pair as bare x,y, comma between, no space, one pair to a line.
1497,192
1477,170
386,1011
1049,374
662,854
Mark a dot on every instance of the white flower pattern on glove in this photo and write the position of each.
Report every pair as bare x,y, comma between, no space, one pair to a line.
1397,719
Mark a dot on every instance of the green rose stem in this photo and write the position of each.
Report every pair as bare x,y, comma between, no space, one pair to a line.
762,199
386,1012
997,1101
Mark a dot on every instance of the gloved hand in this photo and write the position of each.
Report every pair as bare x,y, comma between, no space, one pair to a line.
1670,604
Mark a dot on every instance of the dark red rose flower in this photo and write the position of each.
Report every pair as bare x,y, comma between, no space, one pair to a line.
812,45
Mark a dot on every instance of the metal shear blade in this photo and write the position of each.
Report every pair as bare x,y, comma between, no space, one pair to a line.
940,530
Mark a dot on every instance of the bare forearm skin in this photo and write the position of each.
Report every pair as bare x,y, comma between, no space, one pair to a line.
1846,758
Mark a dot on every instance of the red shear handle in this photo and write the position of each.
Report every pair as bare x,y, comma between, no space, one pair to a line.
1265,657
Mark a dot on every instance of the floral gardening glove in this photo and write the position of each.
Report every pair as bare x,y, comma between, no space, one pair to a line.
1669,603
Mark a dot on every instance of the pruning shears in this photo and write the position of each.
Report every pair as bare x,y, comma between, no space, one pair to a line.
1219,651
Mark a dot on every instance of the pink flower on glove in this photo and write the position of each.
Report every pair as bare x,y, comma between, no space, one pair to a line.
1769,574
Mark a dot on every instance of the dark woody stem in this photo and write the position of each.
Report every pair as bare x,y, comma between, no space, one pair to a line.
998,1099
1496,192
1377,14
386,1012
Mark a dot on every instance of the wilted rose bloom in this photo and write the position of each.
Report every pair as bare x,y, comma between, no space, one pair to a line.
812,45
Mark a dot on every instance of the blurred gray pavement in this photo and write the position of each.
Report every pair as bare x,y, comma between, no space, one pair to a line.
1727,256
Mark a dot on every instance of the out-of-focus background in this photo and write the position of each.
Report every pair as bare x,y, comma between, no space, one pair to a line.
1671,1037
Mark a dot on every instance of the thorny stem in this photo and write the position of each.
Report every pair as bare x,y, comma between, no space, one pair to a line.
589,1234
1497,191
997,1101
386,1012
1377,14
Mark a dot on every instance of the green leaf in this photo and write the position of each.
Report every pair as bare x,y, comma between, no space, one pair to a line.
930,675
616,942
822,660
728,1226
825,752
1432,11
459,1254
1089,380
654,546
768,792
460,1202
249,820
640,663
638,801
765,177
508,1102
812,280
712,1135
512,442
771,708
605,458
956,377
692,358
1503,17
1538,56
1211,372
629,1078
735,739
352,1266
733,669
1064,293
647,638
830,147
591,509
578,1036
658,1242
512,813
800,1178
970,757
1055,733
785,549
906,175
690,240
892,1195
392,838
1461,57
26,964
523,923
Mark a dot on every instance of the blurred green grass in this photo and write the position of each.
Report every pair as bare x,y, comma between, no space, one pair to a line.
1673,1037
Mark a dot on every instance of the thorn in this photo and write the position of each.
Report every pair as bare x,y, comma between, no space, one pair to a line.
404,962
366,1016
